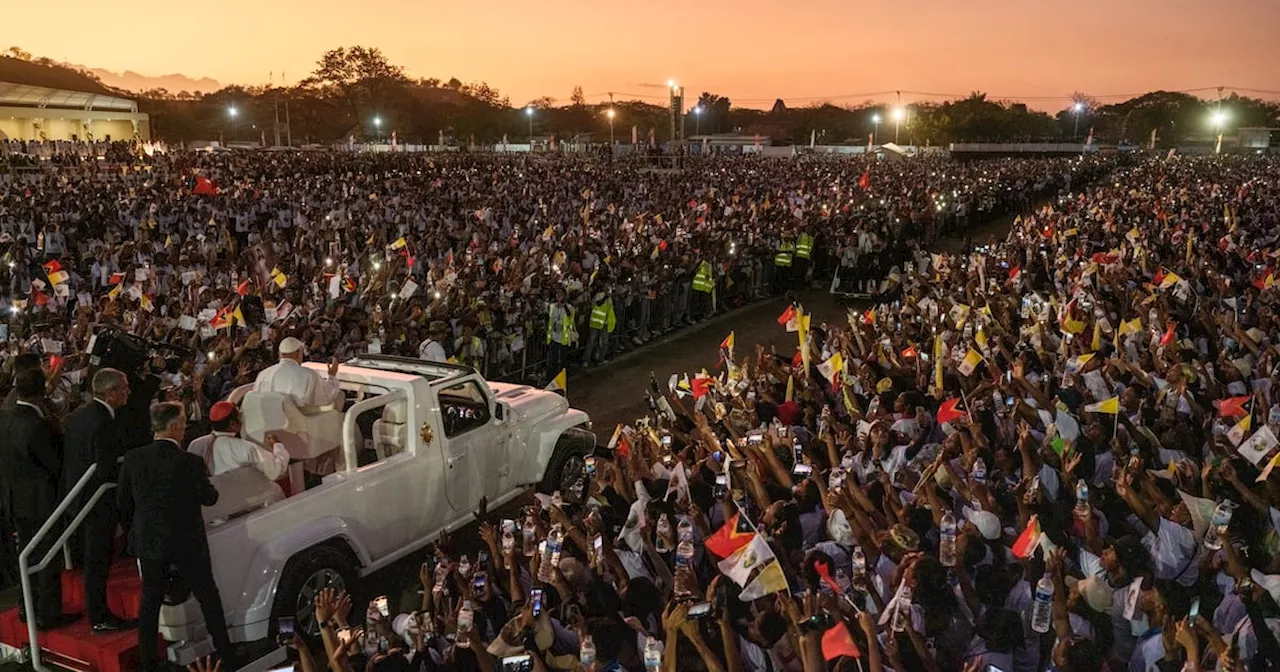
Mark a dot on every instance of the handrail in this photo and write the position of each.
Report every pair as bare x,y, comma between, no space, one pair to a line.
349,435
24,568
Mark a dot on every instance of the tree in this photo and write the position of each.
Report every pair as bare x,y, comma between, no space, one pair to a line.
578,99
715,113
18,53
361,76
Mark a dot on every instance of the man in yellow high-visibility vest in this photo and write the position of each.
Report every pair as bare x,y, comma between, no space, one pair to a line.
603,322
704,283
782,259
560,333
804,251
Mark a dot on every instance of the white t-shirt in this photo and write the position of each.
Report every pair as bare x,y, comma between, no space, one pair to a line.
1173,548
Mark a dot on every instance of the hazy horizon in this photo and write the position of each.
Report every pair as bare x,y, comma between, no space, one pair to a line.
751,51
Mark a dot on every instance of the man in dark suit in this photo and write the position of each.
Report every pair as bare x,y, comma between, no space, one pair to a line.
30,464
162,488
93,439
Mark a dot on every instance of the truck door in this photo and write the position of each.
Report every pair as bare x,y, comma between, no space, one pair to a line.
473,448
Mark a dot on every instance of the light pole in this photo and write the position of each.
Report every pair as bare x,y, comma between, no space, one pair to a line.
898,115
611,114
232,113
1077,109
529,112
875,127
377,127
697,120
1219,120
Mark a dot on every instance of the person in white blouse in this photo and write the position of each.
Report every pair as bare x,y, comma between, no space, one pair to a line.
309,391
224,450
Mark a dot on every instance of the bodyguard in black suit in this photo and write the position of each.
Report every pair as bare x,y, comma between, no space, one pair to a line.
92,438
162,488
30,465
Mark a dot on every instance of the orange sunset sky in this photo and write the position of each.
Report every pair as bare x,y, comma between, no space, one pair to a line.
751,50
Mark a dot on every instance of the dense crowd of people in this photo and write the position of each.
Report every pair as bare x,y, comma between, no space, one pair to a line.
1053,452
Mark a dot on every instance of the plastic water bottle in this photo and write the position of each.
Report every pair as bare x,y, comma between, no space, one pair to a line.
1218,527
979,470
902,612
859,563
550,557
1042,608
947,547
1082,499
465,617
684,550
661,531
587,651
652,655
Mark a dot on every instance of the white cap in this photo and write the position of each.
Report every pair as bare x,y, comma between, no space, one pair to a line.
988,523
291,345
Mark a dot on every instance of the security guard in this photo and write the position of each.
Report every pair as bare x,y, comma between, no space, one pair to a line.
782,263
704,282
560,333
603,322
804,248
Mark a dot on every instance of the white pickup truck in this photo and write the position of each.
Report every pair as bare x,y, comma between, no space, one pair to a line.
443,438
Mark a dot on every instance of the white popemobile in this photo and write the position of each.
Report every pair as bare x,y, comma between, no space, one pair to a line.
443,438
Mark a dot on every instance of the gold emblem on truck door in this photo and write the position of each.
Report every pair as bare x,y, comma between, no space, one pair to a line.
427,434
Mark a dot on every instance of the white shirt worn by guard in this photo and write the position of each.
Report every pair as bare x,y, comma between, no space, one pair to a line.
432,351
224,452
306,386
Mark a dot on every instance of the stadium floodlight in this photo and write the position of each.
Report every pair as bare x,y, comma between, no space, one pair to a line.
377,121
671,83
875,118
1219,119
232,111
611,114
899,114
1078,107
529,110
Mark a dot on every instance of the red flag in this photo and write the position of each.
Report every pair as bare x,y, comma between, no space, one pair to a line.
205,186
797,360
243,287
948,411
910,351
787,315
52,267
1104,258
1159,278
662,245
864,182
838,642
823,569
1014,272
1047,233
116,278
734,534
1168,334
699,387
55,361
41,299
1028,540
1233,407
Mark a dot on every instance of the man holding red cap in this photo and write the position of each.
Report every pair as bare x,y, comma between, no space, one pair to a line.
224,450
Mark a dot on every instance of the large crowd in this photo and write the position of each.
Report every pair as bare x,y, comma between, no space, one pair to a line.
1051,452
1054,452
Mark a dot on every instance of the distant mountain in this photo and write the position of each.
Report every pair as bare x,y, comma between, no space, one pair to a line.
136,82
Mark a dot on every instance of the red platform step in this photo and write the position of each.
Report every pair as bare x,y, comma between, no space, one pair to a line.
75,646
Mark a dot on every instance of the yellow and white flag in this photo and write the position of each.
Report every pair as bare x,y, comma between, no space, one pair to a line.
279,278
1237,433
559,382
1076,364
1110,406
971,361
832,367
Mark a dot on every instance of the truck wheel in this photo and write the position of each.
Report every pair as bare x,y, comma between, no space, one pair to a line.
305,575
568,461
